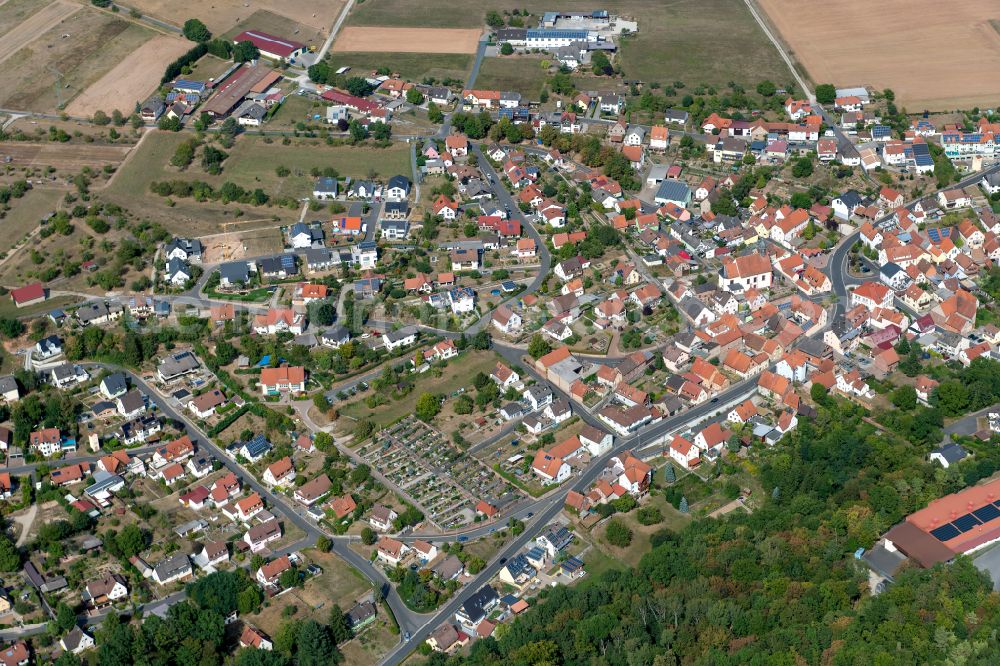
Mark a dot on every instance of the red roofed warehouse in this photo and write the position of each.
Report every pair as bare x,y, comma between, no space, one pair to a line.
275,48
28,294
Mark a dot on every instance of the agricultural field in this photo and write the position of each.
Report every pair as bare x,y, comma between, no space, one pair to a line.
523,74
711,42
416,66
70,157
223,15
844,42
276,23
408,40
131,80
67,56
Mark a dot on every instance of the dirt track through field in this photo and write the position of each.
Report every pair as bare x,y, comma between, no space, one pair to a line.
934,55
131,80
408,40
38,24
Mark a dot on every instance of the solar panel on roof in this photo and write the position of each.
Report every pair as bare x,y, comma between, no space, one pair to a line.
966,522
987,513
945,532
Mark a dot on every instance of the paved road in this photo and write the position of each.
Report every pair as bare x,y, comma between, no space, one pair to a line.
408,620
480,53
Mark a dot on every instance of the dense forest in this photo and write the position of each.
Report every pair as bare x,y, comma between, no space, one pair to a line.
780,585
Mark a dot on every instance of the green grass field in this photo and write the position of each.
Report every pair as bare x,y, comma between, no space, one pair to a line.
25,214
416,66
207,67
251,163
523,74
710,42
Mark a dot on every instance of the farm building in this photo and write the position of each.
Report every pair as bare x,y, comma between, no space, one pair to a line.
271,47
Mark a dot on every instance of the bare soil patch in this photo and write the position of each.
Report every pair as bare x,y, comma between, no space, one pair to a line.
408,40
131,80
933,55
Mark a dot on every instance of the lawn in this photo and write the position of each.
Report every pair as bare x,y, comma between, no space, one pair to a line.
457,374
296,109
208,67
416,66
523,74
672,519
711,42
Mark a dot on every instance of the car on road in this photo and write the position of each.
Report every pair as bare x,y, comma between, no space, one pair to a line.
503,560
714,400
462,538
530,514
406,637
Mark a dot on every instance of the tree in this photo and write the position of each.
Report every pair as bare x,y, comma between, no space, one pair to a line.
414,96
245,51
952,396
196,31
357,86
494,19
683,508
434,114
100,118
464,404
617,533
368,536
649,515
131,540
11,328
538,346
169,123
428,406
818,393
339,629
506,49
65,617
904,397
826,93
766,88
314,645
10,558
600,64
669,474
326,314
802,167
800,200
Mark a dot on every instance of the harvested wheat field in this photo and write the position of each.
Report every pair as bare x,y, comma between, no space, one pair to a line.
408,40
131,80
34,26
934,55
223,15
67,157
